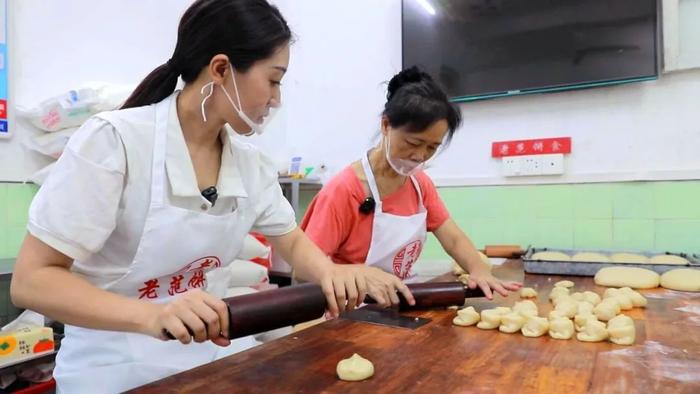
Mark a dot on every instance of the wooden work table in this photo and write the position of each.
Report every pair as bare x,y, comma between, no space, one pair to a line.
442,358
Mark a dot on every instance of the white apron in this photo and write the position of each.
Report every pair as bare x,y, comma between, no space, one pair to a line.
397,241
176,249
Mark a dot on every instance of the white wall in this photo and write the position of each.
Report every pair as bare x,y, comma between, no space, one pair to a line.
647,130
56,45
332,94
345,50
334,91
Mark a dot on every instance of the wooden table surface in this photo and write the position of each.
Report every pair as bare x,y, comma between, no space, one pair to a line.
442,358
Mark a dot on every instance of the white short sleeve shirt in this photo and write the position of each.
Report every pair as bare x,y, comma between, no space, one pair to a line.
93,205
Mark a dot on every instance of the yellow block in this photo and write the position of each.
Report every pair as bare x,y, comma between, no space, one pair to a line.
25,343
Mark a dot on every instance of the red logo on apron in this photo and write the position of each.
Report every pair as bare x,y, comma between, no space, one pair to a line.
404,260
177,282
205,263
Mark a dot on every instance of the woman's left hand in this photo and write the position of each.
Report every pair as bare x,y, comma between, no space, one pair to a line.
487,282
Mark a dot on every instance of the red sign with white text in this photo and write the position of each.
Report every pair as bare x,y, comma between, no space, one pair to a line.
541,146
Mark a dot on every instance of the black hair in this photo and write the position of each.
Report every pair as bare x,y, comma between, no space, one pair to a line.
415,101
244,30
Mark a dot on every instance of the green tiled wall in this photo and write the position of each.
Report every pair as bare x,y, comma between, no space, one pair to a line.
631,215
660,216
14,207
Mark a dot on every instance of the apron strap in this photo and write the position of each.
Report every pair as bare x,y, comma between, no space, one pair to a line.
418,190
370,179
160,139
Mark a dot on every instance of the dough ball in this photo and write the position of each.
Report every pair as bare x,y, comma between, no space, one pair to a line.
511,322
354,369
535,327
561,328
564,283
528,292
551,256
567,308
682,279
558,292
636,278
611,292
490,319
590,257
502,310
594,331
607,309
614,302
591,297
564,298
464,278
555,314
582,319
633,258
625,301
621,330
638,300
466,317
578,296
622,298
584,308
525,308
668,259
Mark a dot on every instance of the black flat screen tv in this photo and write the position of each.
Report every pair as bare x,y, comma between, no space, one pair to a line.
489,48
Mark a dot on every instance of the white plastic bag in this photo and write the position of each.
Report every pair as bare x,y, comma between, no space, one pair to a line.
50,144
252,248
40,176
73,108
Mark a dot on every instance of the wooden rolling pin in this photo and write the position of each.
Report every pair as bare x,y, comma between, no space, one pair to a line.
507,251
268,310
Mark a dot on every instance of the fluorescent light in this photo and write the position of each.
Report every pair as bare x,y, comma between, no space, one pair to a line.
428,7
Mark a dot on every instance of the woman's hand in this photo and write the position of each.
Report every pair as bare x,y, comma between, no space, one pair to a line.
486,282
346,285
194,315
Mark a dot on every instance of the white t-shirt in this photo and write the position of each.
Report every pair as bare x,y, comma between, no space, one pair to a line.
93,206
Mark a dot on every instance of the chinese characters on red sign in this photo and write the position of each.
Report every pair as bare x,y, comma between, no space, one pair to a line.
531,147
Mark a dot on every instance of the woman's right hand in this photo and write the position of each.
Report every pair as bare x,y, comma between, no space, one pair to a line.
384,287
346,286
194,315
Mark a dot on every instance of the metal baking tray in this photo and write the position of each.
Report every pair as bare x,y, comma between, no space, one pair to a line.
583,268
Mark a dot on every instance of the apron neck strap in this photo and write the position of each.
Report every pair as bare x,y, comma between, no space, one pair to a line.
160,139
418,190
370,179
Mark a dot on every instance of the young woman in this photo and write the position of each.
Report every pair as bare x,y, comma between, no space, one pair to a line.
146,199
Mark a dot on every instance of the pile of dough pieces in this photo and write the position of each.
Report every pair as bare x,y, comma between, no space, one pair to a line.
583,313
624,257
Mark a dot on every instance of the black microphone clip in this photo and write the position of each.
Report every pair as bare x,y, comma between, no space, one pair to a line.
367,205
211,194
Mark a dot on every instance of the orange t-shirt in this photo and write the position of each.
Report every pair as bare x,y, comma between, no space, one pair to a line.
334,222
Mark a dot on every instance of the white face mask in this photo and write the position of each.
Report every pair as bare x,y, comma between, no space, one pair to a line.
255,128
401,166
